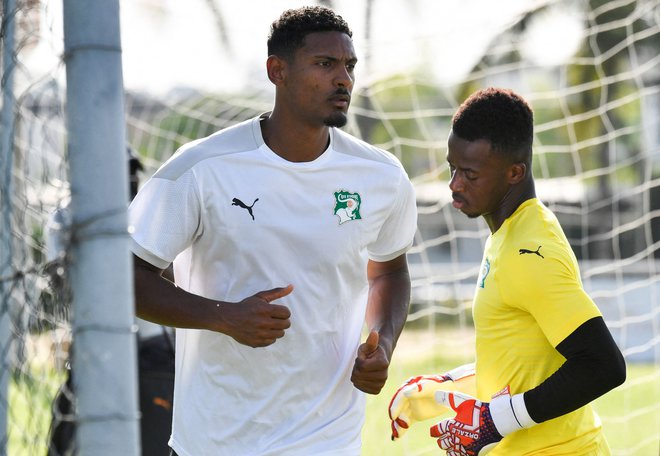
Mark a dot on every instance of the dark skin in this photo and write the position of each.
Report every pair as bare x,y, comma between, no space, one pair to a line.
484,182
387,309
255,321
313,90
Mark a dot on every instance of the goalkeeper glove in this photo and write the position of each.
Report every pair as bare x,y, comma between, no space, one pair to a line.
415,399
479,426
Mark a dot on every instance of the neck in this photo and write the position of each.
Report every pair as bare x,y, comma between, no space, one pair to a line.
512,200
293,140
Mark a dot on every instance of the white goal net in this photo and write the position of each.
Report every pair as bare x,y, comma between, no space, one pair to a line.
589,68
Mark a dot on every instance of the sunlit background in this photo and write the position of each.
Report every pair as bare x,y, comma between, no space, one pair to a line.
590,69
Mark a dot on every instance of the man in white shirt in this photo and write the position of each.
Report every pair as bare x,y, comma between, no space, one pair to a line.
286,234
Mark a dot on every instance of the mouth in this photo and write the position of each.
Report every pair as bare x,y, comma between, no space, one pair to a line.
457,202
341,101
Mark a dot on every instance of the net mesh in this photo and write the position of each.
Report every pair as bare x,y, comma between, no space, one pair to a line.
590,70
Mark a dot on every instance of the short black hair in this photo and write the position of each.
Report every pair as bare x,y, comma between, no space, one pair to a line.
499,116
288,32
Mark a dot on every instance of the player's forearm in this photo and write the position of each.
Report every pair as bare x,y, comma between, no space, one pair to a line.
160,301
594,365
387,309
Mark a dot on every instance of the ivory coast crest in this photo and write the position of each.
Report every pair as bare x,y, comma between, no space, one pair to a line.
483,273
347,206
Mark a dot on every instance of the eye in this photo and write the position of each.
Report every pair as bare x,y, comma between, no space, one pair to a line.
471,176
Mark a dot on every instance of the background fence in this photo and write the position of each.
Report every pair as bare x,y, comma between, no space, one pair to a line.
590,69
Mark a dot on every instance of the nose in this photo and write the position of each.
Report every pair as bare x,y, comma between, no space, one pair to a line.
344,77
455,182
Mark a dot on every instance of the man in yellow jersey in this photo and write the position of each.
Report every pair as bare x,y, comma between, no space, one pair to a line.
543,351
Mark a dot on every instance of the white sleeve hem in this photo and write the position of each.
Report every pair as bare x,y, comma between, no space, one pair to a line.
147,256
391,256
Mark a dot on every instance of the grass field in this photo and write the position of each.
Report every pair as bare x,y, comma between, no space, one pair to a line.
630,414
30,399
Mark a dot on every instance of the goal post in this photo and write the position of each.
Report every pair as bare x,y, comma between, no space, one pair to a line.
104,360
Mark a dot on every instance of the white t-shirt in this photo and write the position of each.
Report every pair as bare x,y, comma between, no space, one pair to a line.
237,219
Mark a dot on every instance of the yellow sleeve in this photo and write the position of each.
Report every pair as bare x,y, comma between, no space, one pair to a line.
550,289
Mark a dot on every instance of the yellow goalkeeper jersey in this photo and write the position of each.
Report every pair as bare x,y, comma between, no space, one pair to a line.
529,297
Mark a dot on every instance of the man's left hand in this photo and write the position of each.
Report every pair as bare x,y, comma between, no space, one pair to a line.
471,432
370,369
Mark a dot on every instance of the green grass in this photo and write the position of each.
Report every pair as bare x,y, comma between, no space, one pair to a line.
630,413
30,399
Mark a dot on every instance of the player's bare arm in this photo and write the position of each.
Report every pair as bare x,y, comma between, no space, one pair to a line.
387,309
255,321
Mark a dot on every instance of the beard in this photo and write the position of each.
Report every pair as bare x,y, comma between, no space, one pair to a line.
336,119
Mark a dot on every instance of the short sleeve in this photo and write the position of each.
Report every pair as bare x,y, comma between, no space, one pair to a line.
551,291
165,218
398,231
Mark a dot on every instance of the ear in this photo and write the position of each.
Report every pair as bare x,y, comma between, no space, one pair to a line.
517,173
276,69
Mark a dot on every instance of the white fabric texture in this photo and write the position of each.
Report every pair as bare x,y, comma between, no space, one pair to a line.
295,396
509,414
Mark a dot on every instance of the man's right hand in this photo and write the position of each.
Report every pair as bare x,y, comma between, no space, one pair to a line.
255,321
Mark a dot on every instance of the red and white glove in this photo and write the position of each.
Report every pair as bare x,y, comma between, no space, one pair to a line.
479,426
415,398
